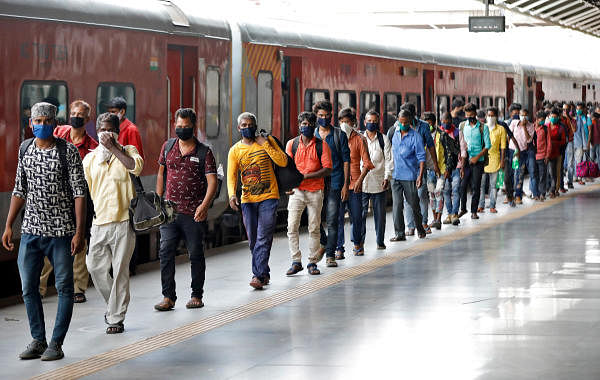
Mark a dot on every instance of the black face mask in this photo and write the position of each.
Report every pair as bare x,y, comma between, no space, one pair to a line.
184,133
76,122
472,119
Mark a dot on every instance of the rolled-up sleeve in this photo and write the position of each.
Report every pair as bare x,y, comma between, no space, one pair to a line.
137,158
419,148
463,144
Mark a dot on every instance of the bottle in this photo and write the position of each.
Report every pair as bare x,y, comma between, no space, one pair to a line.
515,162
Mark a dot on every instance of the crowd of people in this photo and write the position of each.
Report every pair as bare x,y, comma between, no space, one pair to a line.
77,191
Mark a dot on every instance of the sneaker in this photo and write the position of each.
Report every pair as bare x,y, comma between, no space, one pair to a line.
381,246
34,350
295,268
570,185
448,220
518,201
53,352
256,283
411,232
331,263
455,220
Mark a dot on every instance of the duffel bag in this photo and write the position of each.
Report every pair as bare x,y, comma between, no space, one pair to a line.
288,177
147,210
587,168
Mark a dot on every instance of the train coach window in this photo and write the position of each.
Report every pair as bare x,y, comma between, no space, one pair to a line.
311,97
486,102
442,104
416,100
32,92
391,105
212,102
501,105
343,99
108,90
368,101
264,101
475,100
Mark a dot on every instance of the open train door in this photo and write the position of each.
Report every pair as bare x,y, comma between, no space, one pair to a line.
510,91
182,71
428,79
583,92
539,96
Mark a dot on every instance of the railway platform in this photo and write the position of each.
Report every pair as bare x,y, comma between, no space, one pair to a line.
512,295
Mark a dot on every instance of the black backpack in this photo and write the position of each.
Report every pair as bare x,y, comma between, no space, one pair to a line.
201,155
288,176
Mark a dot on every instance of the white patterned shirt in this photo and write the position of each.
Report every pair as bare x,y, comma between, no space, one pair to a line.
383,162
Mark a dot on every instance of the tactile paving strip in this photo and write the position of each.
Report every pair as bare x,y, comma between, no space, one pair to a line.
108,359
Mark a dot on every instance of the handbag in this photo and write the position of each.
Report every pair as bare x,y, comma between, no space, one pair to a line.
288,177
147,210
587,168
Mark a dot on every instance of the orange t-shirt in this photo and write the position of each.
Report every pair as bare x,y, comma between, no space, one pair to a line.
358,152
307,161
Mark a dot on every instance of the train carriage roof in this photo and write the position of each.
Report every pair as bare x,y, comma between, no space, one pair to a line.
155,16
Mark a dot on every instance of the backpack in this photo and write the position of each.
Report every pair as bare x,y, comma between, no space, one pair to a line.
318,146
451,150
201,152
288,177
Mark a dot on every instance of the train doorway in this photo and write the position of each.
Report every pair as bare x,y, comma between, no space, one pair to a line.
428,79
182,69
510,91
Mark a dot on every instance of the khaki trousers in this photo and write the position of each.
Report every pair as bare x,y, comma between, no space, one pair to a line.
298,201
112,244
81,277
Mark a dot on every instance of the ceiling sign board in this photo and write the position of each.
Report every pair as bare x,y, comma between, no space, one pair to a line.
487,24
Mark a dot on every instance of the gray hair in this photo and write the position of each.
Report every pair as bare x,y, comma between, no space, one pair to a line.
43,109
405,113
246,116
108,117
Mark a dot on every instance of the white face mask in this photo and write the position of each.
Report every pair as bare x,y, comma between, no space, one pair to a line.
523,118
491,121
105,154
346,128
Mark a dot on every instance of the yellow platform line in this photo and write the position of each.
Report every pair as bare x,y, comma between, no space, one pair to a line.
177,335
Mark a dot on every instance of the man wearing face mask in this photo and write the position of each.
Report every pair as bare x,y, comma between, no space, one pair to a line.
580,139
191,183
50,184
409,167
313,159
75,134
523,130
107,172
252,158
337,185
129,133
509,174
569,160
496,159
457,112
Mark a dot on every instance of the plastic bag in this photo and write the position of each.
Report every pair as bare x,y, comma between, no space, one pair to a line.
439,186
500,179
515,162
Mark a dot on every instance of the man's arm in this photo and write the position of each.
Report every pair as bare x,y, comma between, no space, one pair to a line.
160,180
232,172
16,203
277,155
211,190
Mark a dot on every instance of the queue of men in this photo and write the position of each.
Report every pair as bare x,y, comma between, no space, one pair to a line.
426,163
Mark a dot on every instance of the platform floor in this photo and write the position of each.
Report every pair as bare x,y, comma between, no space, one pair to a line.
515,295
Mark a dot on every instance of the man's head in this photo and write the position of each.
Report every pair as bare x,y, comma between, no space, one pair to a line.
541,117
408,106
446,119
514,110
554,115
118,106
107,122
372,120
323,110
596,115
481,115
185,123
580,109
431,119
404,120
79,113
43,120
458,105
471,112
348,116
307,121
524,114
247,125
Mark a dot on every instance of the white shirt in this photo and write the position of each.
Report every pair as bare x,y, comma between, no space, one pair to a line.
383,162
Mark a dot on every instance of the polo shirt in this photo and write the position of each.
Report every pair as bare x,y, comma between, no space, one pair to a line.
408,153
307,161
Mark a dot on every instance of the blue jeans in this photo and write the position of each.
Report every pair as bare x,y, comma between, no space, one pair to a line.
260,219
542,177
509,173
423,194
595,154
332,204
32,250
569,162
184,226
452,192
354,206
491,177
405,190
526,160
378,215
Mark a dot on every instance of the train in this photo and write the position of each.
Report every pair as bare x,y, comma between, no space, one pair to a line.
161,55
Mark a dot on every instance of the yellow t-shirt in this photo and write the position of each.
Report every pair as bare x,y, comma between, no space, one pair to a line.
498,140
439,151
254,163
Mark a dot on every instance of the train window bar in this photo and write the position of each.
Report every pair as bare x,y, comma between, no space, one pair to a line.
391,107
343,99
108,90
213,101
415,99
312,96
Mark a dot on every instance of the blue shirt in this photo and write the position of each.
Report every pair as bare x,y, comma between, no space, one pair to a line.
408,152
422,127
472,137
580,137
338,157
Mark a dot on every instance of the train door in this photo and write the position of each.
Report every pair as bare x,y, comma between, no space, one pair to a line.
428,79
583,92
182,69
510,90
539,96
292,98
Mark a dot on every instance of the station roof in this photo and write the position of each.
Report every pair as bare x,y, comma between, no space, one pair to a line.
582,15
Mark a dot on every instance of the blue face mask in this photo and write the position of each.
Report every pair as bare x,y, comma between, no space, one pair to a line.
42,131
248,133
307,130
372,126
515,117
323,122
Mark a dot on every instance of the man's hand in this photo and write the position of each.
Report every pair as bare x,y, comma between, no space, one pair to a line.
7,239
108,141
344,193
474,160
385,184
234,203
358,187
502,164
447,174
290,192
462,173
546,160
76,243
419,181
201,213
260,140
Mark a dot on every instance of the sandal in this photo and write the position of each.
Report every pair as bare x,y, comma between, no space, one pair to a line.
194,303
79,298
115,328
165,305
312,269
359,252
339,255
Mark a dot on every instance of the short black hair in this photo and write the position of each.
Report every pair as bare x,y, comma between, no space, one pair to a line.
324,105
430,116
555,111
186,113
470,107
457,102
541,114
108,117
596,115
372,112
348,112
515,107
481,114
494,110
118,102
410,107
580,104
308,116
446,116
